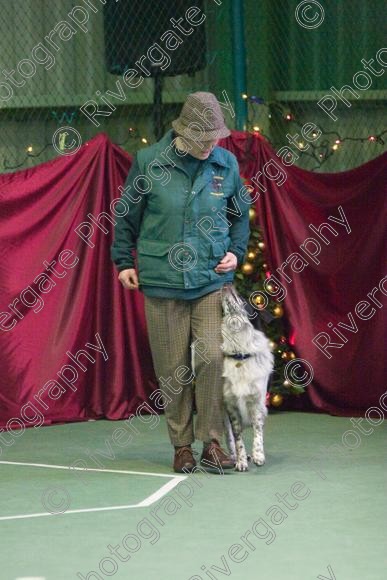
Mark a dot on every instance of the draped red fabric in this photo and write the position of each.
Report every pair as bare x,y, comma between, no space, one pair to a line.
73,343
330,290
45,210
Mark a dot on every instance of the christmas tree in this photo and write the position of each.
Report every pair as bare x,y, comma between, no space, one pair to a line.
249,281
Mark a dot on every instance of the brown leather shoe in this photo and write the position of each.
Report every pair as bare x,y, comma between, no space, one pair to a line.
215,457
184,460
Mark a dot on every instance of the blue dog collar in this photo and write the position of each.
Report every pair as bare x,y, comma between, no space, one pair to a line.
239,356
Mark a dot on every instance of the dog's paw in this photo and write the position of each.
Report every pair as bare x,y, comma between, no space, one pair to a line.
241,465
259,458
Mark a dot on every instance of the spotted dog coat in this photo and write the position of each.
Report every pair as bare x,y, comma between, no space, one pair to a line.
248,362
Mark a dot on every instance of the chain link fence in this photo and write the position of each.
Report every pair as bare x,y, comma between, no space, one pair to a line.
123,68
75,68
308,60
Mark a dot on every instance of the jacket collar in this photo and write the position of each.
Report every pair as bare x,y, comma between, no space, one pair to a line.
217,157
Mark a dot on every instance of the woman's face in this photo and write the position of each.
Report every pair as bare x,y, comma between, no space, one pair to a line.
198,149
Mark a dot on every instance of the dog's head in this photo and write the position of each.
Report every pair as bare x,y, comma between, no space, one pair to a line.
239,334
235,318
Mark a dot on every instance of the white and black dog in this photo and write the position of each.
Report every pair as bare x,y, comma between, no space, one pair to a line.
248,362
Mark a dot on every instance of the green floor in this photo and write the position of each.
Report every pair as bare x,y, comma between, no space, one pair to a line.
333,528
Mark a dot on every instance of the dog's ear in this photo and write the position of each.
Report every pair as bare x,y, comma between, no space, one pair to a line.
254,317
257,318
266,316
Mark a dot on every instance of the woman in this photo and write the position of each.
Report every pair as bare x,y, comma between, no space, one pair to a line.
190,229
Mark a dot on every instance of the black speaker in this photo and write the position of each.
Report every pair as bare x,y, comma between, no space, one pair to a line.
132,27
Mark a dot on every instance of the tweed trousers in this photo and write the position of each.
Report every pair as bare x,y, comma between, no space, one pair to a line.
185,339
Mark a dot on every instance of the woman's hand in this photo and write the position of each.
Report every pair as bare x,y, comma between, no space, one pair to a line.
227,264
128,279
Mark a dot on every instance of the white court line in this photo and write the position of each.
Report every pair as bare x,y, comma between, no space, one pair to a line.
164,489
161,492
91,469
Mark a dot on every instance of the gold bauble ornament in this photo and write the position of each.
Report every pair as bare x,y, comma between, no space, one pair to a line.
273,345
259,300
292,355
252,214
264,266
277,400
278,311
251,255
261,245
247,268
286,383
285,355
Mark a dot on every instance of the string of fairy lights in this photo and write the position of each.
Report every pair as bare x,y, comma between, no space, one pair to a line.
32,151
328,143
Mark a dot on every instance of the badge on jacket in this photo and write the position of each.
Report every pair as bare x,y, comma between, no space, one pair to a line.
217,185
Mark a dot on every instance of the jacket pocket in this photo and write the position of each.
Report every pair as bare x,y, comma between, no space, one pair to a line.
217,251
154,266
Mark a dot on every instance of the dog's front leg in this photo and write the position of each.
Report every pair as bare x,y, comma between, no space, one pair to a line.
236,423
257,415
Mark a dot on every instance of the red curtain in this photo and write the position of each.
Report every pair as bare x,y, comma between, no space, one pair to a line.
45,210
73,343
322,297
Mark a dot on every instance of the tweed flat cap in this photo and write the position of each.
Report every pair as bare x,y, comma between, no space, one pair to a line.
201,118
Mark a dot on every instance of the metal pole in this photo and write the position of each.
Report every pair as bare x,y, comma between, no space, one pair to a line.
239,63
157,102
